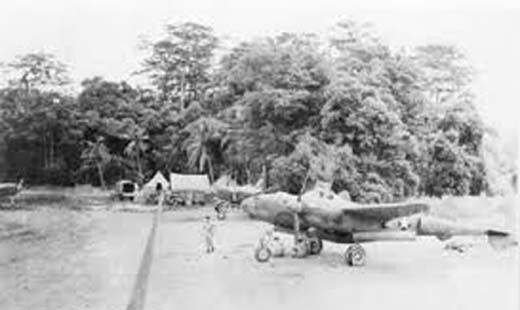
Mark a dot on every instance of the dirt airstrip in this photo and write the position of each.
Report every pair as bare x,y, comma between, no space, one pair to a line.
62,259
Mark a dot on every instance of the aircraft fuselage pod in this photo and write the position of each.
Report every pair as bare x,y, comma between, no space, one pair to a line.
333,219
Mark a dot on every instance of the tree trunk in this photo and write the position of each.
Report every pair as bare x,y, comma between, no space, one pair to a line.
299,208
182,92
265,175
248,175
100,173
25,83
139,168
44,151
51,151
266,165
296,227
304,185
210,168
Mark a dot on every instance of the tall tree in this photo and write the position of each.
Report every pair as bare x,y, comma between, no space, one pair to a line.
446,72
37,70
41,134
179,63
203,143
275,91
136,147
96,155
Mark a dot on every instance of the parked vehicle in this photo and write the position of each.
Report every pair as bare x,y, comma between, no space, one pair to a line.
126,189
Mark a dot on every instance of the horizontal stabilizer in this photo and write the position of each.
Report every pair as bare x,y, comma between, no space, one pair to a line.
496,233
500,240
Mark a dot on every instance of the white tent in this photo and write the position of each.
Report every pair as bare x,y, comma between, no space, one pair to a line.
189,182
158,178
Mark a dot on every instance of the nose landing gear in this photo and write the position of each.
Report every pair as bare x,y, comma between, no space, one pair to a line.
263,254
307,244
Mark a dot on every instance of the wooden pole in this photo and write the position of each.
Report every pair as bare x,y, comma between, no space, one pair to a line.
299,208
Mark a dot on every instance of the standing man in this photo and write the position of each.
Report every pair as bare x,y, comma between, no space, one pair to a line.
208,230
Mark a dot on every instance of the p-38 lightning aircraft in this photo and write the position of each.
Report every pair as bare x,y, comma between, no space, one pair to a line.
321,215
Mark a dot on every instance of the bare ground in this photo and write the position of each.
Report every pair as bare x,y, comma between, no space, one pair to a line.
88,260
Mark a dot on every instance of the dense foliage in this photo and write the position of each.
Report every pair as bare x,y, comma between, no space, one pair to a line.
381,124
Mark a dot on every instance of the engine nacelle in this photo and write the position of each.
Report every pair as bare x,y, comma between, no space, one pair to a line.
444,228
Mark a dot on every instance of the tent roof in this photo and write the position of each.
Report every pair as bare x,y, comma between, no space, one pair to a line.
189,182
158,178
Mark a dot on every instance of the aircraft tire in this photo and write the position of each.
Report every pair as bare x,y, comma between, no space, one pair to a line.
315,246
355,255
262,254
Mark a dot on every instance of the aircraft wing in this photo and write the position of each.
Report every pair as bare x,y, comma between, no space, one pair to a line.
386,212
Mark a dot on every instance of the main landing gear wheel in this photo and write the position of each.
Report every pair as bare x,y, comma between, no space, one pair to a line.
355,255
315,246
262,254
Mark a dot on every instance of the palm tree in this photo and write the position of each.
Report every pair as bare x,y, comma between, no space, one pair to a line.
204,134
96,155
136,147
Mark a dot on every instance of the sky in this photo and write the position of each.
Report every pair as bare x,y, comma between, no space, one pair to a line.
101,37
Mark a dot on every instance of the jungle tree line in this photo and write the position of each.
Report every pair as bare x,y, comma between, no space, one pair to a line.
380,123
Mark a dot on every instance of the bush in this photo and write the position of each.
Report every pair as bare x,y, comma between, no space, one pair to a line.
288,173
